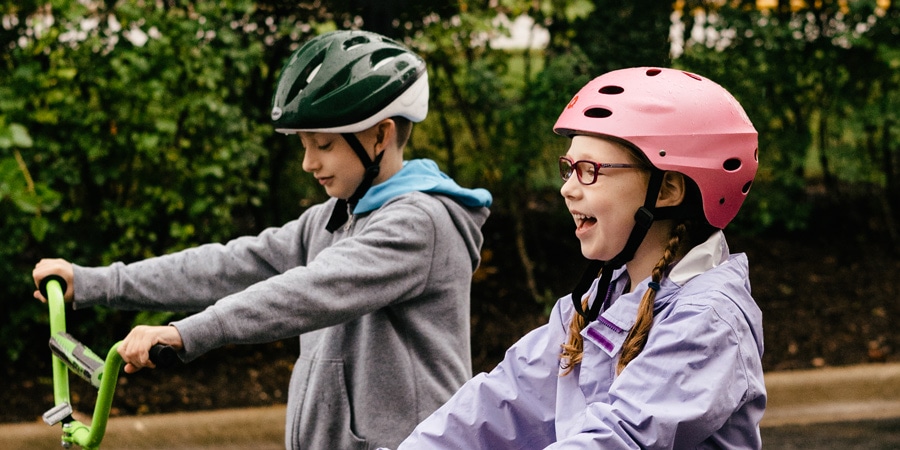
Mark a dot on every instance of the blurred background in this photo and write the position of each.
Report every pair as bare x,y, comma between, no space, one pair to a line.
135,128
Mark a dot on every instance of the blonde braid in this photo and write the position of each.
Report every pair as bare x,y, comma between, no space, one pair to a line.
573,349
637,336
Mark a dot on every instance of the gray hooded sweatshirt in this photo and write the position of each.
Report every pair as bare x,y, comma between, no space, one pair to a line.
381,305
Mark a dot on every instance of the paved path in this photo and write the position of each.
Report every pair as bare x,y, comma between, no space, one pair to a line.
231,429
879,434
855,407
853,393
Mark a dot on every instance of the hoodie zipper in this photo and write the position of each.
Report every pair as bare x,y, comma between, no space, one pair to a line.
350,218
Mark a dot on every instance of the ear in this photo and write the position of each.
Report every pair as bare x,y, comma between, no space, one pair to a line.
385,132
672,190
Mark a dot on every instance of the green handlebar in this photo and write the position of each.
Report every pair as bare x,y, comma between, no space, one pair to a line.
53,288
68,354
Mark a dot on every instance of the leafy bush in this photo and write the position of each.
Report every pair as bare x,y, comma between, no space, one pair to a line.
141,138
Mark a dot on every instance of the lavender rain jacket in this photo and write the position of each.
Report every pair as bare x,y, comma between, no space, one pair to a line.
697,384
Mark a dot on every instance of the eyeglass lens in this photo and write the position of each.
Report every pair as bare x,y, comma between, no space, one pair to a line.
584,170
565,169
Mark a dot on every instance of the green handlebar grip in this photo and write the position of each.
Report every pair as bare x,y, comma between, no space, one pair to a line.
77,357
42,286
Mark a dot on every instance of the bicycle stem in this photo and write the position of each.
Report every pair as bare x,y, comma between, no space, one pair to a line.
68,353
75,432
90,437
58,324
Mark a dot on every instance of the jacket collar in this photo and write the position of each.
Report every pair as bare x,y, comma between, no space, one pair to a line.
611,327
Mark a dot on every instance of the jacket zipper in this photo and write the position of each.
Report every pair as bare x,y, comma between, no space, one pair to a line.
350,217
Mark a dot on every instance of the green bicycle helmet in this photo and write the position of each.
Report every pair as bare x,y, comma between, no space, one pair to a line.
346,82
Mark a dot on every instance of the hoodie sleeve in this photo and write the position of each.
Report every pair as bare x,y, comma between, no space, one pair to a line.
388,263
195,278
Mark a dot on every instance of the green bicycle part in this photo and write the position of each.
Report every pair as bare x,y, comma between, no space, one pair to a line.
89,437
75,432
80,359
69,353
58,325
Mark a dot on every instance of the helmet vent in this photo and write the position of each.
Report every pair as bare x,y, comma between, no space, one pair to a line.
355,41
611,90
305,76
384,56
653,72
338,80
597,113
732,164
381,63
746,187
693,76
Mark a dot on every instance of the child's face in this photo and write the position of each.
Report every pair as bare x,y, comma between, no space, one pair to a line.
330,159
604,211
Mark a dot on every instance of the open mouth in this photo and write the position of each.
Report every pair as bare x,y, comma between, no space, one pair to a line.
582,221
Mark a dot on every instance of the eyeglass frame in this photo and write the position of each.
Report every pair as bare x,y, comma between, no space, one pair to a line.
572,168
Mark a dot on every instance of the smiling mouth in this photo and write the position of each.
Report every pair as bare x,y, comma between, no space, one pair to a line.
582,221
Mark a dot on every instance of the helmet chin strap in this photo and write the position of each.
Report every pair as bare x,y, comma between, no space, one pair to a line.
643,219
341,211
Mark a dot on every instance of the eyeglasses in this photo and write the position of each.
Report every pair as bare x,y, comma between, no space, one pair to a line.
586,170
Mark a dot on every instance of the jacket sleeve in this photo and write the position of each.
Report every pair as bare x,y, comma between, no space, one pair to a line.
692,376
195,278
510,407
387,263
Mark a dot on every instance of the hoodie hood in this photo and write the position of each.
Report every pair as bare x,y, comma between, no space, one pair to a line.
421,175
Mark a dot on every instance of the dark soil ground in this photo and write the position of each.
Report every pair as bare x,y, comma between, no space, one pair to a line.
827,300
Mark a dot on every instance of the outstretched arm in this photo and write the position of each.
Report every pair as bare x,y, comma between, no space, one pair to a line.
387,264
513,406
195,278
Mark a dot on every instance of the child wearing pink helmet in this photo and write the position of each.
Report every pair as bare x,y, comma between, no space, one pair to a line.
660,344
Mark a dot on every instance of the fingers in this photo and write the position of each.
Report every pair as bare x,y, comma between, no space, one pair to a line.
59,267
135,348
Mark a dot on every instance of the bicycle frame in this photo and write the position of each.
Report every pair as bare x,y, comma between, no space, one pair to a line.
69,354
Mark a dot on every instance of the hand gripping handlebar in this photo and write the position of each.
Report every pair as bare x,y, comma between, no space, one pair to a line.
70,354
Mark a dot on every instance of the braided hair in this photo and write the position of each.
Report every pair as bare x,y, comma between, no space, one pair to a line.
685,234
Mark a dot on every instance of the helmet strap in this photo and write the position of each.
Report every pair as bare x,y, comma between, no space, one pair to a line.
643,219
341,211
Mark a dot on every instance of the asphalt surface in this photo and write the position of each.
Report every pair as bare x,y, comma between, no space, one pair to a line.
855,407
845,408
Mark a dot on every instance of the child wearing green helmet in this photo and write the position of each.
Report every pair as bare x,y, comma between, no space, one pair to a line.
375,281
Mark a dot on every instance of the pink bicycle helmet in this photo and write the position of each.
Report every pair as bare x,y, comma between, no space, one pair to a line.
682,122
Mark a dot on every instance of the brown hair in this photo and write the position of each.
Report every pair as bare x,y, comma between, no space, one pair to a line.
687,232
573,349
403,126
690,230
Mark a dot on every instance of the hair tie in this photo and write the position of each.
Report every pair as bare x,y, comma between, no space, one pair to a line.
653,285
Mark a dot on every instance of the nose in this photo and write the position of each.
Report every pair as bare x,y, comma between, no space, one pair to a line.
570,187
310,162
